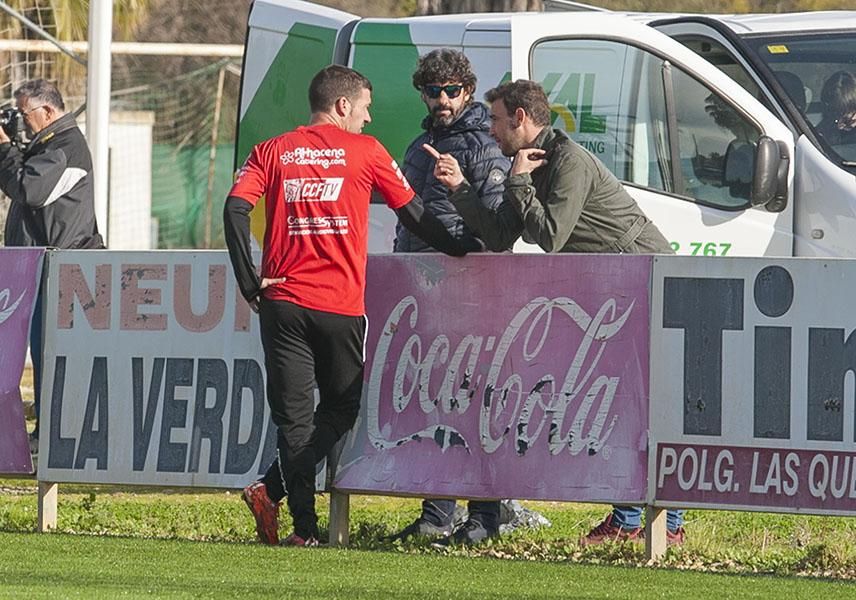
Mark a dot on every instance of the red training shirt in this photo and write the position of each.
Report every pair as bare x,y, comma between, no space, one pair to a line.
317,181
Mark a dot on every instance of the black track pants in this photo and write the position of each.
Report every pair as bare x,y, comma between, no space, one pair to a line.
305,347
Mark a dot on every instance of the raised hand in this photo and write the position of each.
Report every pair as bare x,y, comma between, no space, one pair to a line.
446,170
527,160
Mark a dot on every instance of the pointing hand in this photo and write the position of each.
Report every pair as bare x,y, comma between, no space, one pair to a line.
446,170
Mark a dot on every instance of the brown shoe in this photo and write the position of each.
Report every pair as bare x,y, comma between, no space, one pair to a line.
606,532
265,511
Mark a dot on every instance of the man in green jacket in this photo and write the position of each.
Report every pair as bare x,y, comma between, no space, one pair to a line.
561,197
557,195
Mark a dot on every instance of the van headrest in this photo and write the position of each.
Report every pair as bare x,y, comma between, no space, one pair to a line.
794,88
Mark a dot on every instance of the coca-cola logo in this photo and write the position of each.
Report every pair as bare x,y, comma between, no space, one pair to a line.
517,401
6,310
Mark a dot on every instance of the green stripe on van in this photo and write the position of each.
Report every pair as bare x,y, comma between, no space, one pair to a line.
385,54
281,103
383,33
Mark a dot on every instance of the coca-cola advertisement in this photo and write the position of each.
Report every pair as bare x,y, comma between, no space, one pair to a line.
504,376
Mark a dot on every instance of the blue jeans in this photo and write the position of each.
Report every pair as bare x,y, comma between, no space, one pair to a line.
630,517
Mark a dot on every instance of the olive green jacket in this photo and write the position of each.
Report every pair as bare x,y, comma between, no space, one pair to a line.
571,204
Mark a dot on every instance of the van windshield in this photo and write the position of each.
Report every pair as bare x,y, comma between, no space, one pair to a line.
818,72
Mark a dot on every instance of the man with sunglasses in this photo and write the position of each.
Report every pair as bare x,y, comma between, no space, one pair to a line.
456,125
49,182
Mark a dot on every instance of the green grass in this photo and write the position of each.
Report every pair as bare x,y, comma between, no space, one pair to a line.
98,567
138,541
727,542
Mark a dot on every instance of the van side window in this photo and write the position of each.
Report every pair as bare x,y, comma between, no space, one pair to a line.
717,145
611,98
717,55
814,67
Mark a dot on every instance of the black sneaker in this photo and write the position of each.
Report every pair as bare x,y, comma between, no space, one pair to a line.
421,528
471,532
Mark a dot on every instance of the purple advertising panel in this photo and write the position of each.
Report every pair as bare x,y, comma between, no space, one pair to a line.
770,478
504,376
20,272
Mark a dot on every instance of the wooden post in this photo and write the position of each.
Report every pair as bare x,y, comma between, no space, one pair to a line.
655,532
340,509
47,505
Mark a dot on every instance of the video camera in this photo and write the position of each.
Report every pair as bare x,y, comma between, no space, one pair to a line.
12,122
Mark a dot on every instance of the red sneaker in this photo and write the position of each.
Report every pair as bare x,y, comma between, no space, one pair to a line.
265,512
296,540
676,537
606,531
673,538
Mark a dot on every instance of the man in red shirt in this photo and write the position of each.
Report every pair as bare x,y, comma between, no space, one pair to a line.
317,181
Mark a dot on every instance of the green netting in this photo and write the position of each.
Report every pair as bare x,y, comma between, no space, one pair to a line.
183,107
180,193
178,96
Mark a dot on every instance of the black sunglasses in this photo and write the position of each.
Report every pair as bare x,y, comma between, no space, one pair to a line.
452,91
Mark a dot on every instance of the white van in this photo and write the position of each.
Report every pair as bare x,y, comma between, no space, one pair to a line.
720,169
785,60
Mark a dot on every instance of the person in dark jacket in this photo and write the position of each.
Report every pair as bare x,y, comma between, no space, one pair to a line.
838,97
50,179
15,231
563,198
49,182
457,125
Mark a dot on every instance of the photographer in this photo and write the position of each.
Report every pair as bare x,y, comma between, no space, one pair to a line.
49,181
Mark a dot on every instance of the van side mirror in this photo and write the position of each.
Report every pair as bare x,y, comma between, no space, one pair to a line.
770,183
738,170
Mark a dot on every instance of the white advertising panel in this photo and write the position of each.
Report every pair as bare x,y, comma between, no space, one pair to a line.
153,372
752,384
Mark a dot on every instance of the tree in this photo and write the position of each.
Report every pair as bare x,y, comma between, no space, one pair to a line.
439,7
722,6
65,20
69,19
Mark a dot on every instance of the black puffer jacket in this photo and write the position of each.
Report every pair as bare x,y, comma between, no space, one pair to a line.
483,165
